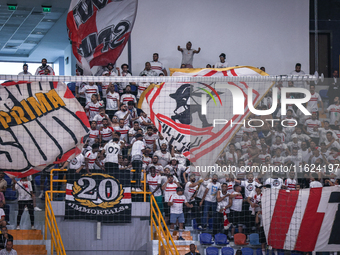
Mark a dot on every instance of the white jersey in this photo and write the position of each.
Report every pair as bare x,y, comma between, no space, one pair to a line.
157,67
237,202
91,156
112,100
178,201
41,70
23,73
153,183
169,190
106,133
77,162
89,91
255,198
275,183
310,124
121,115
142,86
221,65
93,109
150,139
290,184
163,158
80,86
223,203
334,113
249,187
99,119
189,191
93,135
315,184
112,150
312,105
125,98
123,132
136,150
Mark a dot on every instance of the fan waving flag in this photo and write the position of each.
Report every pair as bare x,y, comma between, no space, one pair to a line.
302,220
198,118
41,123
99,30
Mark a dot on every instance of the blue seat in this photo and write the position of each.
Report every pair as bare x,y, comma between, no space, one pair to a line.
133,88
247,251
8,180
228,251
280,252
221,239
212,251
254,239
10,194
259,252
206,239
323,93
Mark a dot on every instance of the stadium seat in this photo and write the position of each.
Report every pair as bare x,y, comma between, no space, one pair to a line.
259,252
254,239
221,239
240,239
10,194
228,251
247,251
211,251
323,93
280,252
206,239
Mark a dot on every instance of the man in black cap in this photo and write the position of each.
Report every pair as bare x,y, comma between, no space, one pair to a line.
222,63
176,210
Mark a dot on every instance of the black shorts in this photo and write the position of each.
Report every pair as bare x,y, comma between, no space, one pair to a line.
262,236
236,218
166,209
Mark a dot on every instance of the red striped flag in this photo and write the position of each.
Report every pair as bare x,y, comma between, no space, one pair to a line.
305,220
99,30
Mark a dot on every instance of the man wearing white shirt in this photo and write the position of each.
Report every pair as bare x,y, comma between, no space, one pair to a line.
137,151
112,150
313,181
209,200
222,63
176,202
298,72
274,182
25,70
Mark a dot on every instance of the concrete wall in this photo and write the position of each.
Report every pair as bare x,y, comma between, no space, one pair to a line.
274,34
80,237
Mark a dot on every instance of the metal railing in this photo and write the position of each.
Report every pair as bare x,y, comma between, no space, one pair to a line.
166,244
50,221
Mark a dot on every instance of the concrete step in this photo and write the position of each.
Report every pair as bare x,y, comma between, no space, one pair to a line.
26,234
30,249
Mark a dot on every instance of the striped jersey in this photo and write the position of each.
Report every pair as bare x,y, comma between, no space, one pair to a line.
178,201
106,133
92,158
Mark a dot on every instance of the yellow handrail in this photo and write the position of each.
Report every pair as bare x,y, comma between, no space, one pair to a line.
50,221
158,222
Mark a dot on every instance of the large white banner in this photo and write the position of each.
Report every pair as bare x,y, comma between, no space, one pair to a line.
41,123
185,113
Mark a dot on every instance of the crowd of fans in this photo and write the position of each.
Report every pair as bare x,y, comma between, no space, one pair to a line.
122,137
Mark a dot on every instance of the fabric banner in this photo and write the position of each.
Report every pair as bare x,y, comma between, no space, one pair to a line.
305,220
98,196
99,30
41,124
177,110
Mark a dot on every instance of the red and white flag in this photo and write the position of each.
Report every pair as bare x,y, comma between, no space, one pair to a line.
305,220
176,110
99,30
